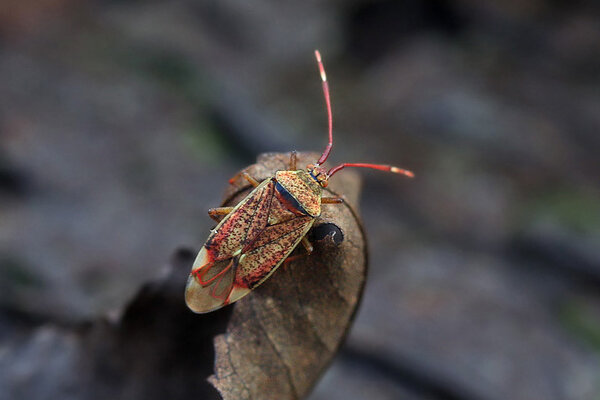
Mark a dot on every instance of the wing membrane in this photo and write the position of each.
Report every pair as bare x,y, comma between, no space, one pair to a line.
209,286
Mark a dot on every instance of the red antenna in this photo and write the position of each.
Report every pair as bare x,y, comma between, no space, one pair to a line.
381,167
325,154
328,102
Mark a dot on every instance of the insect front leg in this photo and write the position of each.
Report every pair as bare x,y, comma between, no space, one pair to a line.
217,212
331,200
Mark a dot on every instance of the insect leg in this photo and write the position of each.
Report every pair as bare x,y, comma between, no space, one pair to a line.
215,213
293,160
246,176
250,179
331,200
306,243
234,178
309,249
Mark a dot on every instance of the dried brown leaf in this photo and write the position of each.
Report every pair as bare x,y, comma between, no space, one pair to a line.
282,336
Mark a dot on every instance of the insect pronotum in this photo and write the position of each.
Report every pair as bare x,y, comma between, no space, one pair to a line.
260,232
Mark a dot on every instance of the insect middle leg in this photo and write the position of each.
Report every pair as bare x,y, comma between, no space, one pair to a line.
215,213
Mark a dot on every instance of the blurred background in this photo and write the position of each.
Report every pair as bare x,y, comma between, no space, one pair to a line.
121,121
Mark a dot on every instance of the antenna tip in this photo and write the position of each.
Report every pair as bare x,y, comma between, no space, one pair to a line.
406,172
321,68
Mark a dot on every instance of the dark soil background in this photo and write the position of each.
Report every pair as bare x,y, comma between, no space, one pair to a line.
121,121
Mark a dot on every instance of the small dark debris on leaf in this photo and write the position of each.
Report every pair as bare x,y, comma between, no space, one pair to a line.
328,232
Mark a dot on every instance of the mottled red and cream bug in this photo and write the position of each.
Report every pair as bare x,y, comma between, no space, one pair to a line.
260,232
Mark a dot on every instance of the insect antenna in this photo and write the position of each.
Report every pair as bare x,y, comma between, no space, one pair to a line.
381,167
328,102
327,150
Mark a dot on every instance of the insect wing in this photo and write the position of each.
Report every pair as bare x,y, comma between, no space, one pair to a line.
211,280
244,249
241,225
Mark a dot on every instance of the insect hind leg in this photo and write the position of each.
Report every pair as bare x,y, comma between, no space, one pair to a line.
307,245
309,249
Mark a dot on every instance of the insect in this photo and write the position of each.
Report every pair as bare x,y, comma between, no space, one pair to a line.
257,235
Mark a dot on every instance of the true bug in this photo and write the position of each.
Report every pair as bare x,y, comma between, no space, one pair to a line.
260,232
